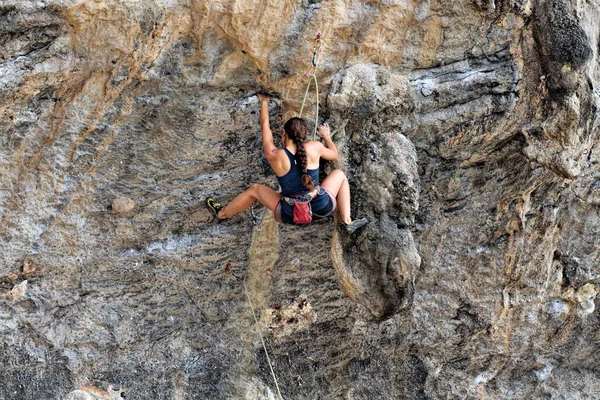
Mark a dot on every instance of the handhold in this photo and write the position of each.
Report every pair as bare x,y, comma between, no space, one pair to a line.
268,92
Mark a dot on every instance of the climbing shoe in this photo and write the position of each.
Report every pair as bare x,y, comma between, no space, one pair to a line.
354,225
214,208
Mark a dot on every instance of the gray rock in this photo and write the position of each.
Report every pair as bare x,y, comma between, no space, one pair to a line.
469,134
364,90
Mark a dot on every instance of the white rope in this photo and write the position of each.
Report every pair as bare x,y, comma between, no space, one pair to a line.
313,76
262,339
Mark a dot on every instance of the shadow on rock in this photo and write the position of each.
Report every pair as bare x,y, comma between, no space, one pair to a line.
563,44
376,266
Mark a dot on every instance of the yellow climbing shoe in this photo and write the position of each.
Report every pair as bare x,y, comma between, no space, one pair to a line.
214,208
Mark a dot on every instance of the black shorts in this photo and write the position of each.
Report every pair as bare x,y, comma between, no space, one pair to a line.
323,205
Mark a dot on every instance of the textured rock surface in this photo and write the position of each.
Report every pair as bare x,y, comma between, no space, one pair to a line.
470,134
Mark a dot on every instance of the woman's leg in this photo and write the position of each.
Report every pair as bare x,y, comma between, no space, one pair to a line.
265,195
337,183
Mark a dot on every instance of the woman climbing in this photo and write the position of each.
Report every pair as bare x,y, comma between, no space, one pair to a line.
297,169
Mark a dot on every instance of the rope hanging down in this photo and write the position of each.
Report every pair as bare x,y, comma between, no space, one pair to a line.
262,339
317,46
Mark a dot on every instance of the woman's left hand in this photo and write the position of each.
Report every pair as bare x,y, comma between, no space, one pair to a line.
323,131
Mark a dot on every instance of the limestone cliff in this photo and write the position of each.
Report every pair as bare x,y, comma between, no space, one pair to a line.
469,131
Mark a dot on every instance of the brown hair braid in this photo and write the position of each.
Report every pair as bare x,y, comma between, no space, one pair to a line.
296,128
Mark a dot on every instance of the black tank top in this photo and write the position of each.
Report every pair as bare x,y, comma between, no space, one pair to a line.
291,182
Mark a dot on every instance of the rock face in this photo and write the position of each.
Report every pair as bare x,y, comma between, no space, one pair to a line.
469,131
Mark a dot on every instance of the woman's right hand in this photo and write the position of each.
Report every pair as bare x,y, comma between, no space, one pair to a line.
323,131
262,97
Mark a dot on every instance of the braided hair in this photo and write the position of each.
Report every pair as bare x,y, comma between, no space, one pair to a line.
296,129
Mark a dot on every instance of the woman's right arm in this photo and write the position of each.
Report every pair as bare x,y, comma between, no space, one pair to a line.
329,152
269,147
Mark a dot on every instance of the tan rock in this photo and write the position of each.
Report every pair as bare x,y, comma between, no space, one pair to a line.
29,267
18,291
12,277
585,297
289,318
89,392
122,205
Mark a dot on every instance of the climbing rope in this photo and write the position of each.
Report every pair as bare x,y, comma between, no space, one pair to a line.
317,46
262,339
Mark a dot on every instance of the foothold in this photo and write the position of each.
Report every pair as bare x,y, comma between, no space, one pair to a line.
29,267
122,205
295,262
11,277
18,291
230,271
585,297
558,308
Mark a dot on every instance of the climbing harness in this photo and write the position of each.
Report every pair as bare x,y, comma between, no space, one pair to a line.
262,339
317,47
302,210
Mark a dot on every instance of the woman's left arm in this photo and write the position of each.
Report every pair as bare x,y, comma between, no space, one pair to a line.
329,151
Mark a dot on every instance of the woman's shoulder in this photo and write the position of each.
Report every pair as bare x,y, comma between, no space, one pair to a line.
313,144
313,149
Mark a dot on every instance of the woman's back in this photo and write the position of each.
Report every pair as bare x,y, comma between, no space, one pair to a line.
291,182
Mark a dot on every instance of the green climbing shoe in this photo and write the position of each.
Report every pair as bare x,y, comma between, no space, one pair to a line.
354,225
214,208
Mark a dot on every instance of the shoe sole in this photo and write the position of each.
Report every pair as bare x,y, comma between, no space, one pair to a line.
350,229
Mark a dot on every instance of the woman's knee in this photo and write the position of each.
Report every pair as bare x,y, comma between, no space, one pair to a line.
259,191
265,195
254,188
338,173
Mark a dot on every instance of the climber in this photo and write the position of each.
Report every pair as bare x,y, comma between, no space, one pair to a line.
297,169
